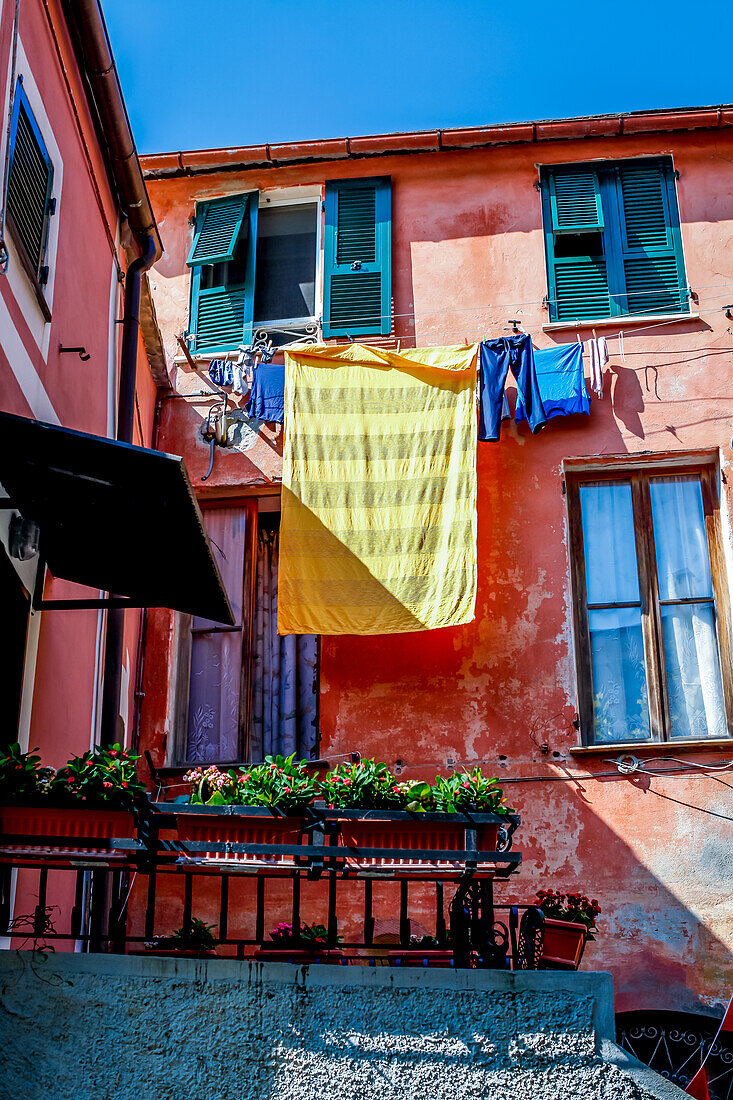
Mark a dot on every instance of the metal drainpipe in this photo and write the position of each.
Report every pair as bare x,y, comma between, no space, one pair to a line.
114,639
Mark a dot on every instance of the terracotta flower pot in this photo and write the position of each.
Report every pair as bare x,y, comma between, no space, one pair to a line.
563,945
74,826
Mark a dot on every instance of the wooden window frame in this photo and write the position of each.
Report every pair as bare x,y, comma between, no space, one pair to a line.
639,477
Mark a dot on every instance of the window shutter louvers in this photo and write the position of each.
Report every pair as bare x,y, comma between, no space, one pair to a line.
30,182
626,255
357,283
652,256
575,200
218,226
221,314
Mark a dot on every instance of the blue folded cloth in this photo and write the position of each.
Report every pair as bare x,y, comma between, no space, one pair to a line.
267,399
560,381
220,372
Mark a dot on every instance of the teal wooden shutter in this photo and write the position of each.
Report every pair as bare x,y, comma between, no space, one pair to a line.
218,225
357,292
221,314
30,183
577,282
575,201
651,247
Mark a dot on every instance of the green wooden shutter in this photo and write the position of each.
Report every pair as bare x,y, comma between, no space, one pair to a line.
218,226
30,183
651,247
578,283
357,291
221,315
575,201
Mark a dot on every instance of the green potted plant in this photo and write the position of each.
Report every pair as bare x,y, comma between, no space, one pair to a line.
90,798
194,940
308,943
258,804
375,809
570,921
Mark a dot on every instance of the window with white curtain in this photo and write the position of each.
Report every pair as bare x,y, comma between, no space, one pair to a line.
651,609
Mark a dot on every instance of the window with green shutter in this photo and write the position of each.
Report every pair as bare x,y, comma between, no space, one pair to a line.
222,260
30,203
357,292
612,238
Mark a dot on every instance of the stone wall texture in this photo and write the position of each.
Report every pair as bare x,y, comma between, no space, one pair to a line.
97,1027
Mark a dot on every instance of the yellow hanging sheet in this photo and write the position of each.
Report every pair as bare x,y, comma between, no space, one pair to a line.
378,521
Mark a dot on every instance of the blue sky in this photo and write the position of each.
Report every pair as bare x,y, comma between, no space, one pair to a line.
206,73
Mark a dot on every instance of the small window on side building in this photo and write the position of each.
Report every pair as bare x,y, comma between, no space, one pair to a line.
30,185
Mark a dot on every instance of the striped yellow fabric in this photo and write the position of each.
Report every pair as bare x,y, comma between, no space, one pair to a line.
378,524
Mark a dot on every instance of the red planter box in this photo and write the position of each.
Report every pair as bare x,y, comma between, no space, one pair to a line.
240,828
413,834
78,824
414,956
563,944
297,956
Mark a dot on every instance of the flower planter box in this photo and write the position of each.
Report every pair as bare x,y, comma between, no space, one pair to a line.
414,832
563,944
298,956
174,953
415,956
227,825
74,826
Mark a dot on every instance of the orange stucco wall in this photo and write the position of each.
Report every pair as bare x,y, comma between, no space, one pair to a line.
467,255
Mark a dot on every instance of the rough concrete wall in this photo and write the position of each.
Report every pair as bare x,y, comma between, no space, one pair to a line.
94,1027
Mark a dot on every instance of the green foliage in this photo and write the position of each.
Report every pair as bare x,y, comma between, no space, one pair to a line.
22,779
278,782
102,777
471,792
310,937
194,935
367,785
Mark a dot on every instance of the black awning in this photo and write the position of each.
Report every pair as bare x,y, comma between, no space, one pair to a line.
113,516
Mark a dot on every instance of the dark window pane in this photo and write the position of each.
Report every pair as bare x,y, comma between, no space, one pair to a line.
233,273
285,276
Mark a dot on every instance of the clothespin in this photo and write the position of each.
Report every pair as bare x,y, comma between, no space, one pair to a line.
621,347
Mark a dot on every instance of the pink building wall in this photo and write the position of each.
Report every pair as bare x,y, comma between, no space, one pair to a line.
37,380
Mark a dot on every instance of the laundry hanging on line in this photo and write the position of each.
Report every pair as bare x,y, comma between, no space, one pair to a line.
496,358
378,520
267,397
598,360
220,372
560,381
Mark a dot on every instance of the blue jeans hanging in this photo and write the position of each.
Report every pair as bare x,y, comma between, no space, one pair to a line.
496,357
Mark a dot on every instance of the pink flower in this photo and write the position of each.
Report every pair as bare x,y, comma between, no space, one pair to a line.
105,784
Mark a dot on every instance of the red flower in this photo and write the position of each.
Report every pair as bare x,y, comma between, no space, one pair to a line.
106,784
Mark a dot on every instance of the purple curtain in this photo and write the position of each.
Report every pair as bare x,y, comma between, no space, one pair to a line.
284,669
